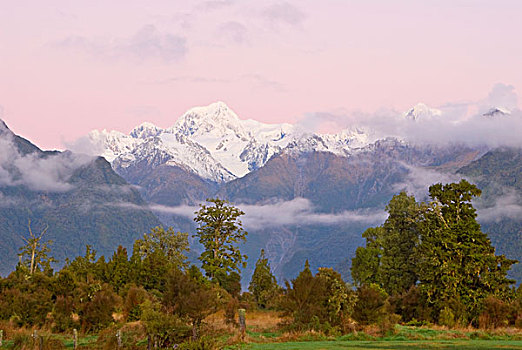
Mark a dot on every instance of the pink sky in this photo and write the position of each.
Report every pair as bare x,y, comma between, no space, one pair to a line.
67,67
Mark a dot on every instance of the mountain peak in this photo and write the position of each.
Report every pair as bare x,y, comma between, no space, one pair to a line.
497,111
145,130
4,128
215,116
421,111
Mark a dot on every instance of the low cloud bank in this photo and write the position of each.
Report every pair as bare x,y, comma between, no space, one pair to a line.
507,206
493,121
299,211
49,173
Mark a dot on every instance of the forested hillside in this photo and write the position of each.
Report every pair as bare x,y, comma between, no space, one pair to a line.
80,199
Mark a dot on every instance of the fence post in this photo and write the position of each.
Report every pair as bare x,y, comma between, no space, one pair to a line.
35,337
75,338
118,337
242,322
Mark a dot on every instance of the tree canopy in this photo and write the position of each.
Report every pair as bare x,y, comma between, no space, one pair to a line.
219,231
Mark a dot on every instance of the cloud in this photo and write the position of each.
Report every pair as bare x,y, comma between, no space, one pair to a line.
147,43
419,179
452,124
38,173
506,206
234,32
299,211
283,13
501,95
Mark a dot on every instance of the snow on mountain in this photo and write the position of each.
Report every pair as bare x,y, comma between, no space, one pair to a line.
215,144
421,111
111,144
497,111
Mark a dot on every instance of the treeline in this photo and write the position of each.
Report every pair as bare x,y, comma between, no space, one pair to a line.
435,263
428,263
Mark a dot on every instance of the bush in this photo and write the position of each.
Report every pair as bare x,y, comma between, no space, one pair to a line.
22,342
204,343
411,306
446,317
97,312
167,329
371,304
134,298
495,313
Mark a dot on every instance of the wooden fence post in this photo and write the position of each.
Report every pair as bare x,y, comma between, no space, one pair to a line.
75,339
35,338
118,337
242,322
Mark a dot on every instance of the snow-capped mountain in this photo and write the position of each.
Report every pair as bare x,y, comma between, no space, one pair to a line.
215,144
421,111
497,111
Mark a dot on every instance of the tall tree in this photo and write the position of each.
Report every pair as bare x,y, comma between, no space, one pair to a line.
457,264
263,284
388,259
34,254
168,243
398,269
219,231
366,262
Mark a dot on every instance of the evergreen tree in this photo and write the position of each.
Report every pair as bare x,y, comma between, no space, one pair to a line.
388,259
168,243
457,265
219,231
263,284
366,262
119,269
400,236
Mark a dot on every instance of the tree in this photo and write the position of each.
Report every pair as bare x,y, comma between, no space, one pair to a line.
316,301
168,243
82,266
263,284
398,269
155,254
219,232
34,254
389,256
457,264
119,269
366,262
187,297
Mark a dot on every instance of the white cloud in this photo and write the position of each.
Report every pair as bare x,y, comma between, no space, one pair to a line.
299,211
419,179
454,125
506,206
49,173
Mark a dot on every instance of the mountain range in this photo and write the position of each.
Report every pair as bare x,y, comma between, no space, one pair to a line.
306,195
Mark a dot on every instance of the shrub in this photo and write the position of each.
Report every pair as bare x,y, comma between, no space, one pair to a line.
203,343
495,313
446,317
371,304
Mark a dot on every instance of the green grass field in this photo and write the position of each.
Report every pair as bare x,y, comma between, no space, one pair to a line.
395,345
